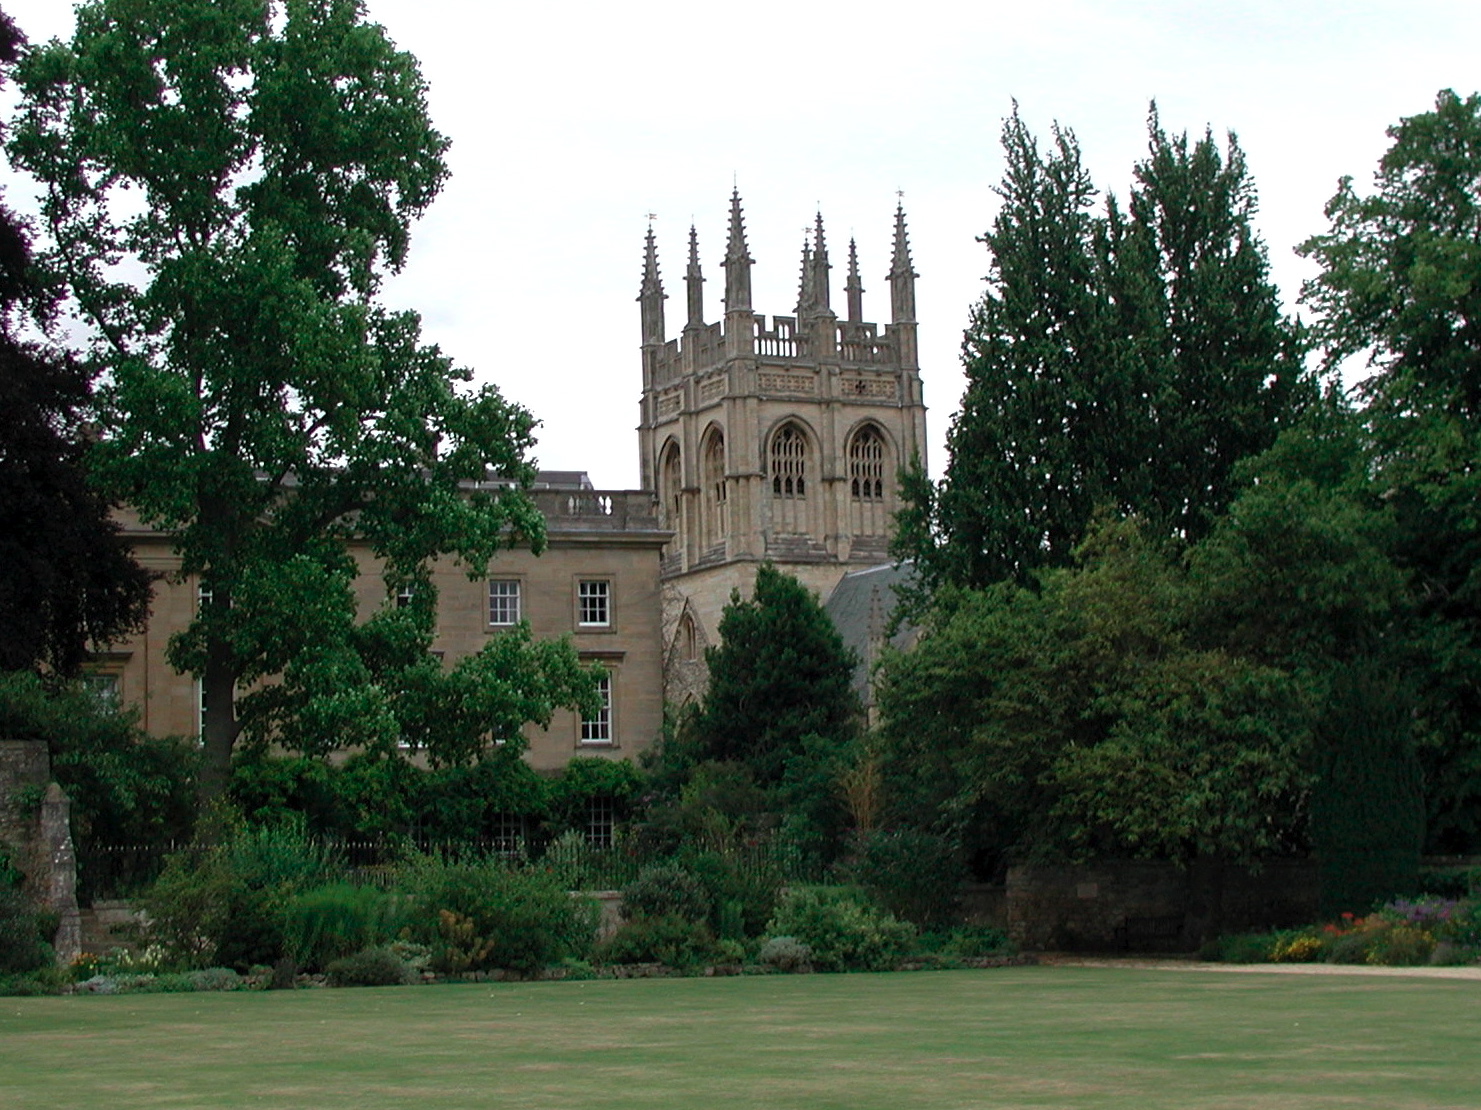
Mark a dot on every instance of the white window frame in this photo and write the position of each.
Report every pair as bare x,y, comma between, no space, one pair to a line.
594,603
598,731
510,602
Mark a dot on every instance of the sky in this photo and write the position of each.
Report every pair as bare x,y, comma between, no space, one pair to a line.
572,122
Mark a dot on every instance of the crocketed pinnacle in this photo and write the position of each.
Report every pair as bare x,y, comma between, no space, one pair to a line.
694,282
737,260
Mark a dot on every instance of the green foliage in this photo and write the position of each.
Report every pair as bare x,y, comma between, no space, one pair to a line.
126,787
260,405
1399,285
785,954
221,900
326,923
780,674
915,875
588,777
666,889
24,939
1086,719
1367,812
843,931
1123,362
667,939
371,967
493,915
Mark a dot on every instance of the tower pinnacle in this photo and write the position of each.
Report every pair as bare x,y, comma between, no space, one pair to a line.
694,283
737,261
901,276
650,294
854,288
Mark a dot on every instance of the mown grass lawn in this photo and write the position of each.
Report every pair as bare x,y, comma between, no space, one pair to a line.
1019,1037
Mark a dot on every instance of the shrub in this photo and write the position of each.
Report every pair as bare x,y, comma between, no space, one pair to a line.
844,933
329,922
1402,945
372,967
24,943
518,919
1241,948
222,902
665,939
743,893
914,875
971,942
666,889
1296,948
785,954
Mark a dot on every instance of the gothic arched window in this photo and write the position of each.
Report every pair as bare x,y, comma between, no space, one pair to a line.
790,459
789,463
867,464
716,497
671,484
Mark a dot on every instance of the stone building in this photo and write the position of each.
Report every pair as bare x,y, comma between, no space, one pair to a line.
772,440
597,582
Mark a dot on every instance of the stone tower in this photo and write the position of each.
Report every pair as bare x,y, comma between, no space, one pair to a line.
773,441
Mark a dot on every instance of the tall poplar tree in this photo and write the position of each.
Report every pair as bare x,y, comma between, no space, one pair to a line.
1122,361
227,182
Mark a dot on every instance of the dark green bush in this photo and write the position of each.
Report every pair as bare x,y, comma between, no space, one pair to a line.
666,939
523,920
329,922
844,932
976,942
24,946
743,892
1240,948
666,889
915,875
372,967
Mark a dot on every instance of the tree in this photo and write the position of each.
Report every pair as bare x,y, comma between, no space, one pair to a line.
1122,362
67,581
780,675
1401,287
227,181
1085,719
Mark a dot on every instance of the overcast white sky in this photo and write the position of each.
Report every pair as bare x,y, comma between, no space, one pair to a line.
571,121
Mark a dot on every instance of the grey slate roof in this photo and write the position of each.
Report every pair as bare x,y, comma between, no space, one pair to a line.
861,606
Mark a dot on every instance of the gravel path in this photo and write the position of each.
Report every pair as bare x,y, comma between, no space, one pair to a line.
1060,959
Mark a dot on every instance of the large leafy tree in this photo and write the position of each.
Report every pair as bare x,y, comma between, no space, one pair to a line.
1124,360
1400,287
67,581
1085,718
226,183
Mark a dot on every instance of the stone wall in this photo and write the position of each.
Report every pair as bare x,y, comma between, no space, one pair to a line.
35,828
1133,906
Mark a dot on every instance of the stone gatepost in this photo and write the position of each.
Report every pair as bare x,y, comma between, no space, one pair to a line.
38,838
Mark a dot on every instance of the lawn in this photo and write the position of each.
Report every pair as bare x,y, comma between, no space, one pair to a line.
1018,1037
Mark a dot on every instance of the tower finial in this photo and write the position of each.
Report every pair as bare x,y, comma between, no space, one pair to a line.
820,293
805,285
902,276
650,294
854,288
694,283
737,260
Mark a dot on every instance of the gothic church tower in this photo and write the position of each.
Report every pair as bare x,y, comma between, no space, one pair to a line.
776,441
